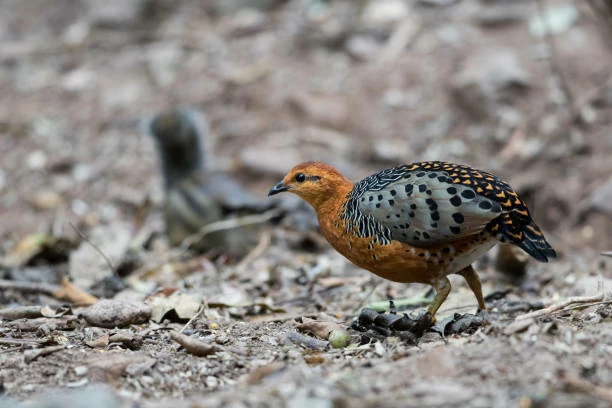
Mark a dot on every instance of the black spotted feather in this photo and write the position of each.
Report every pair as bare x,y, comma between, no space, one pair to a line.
436,202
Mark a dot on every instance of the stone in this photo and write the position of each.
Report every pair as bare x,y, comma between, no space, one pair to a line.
111,313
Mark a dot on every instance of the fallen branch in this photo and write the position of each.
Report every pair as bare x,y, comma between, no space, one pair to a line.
66,292
31,355
44,324
306,341
20,342
28,287
584,300
20,312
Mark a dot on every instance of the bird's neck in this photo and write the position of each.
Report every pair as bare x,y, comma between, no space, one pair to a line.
329,204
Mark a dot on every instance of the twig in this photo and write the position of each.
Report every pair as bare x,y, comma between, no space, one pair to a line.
228,224
561,306
29,287
603,302
306,341
21,342
31,355
11,349
20,312
203,307
85,238
44,323
555,66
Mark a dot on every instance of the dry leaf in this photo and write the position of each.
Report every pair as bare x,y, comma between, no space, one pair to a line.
73,294
321,329
46,311
185,305
99,342
194,346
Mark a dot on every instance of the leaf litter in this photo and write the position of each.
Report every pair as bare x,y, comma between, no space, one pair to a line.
215,329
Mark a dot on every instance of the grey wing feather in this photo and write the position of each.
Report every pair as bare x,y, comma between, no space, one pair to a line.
423,209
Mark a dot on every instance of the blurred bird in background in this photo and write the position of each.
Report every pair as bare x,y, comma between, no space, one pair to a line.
195,194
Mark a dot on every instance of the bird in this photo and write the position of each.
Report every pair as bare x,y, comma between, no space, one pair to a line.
195,195
418,222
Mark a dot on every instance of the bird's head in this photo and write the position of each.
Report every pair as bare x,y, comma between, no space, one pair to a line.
315,182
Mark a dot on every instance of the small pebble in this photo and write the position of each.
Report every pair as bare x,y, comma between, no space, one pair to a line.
339,338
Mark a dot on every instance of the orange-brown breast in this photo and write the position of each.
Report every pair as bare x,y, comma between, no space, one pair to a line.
402,262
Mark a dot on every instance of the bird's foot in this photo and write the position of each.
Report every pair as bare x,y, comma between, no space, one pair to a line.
459,323
425,317
482,313
388,324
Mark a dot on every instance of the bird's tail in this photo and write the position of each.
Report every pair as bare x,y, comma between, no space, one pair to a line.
526,235
535,244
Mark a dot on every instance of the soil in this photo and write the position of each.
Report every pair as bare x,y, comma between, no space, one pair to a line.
362,85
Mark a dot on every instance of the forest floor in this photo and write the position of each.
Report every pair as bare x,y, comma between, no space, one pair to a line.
361,85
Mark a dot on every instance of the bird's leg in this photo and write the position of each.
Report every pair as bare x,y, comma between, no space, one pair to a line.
442,288
474,283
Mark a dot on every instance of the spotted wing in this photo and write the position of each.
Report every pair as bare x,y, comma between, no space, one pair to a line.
430,202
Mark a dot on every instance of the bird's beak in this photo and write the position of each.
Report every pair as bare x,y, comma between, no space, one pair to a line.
278,188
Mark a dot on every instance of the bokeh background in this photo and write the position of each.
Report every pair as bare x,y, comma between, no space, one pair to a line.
359,84
521,88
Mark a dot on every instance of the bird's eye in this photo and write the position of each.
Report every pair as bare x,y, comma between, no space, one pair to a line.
300,177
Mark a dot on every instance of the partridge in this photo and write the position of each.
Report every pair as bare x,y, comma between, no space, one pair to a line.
418,222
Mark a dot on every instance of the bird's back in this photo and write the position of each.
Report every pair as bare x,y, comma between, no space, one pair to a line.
434,202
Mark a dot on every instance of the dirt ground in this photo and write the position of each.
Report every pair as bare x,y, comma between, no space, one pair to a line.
361,85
